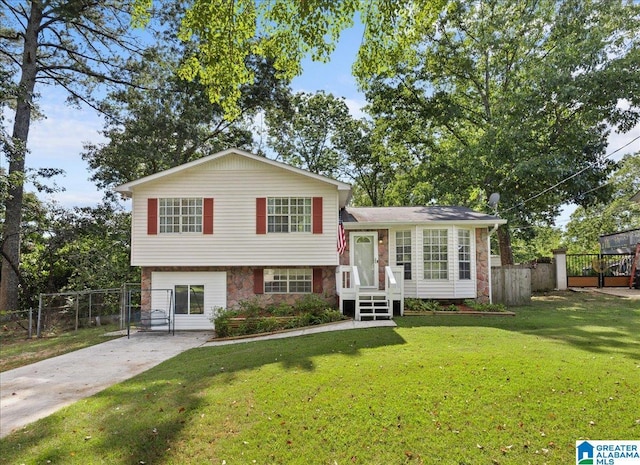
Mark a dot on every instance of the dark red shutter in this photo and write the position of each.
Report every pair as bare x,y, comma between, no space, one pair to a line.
261,215
207,216
316,212
152,216
317,280
258,281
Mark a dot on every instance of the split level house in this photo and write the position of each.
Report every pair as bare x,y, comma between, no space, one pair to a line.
235,226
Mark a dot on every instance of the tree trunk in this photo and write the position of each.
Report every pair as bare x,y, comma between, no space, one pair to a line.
504,241
22,121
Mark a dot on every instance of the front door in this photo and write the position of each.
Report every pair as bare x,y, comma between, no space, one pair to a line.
364,255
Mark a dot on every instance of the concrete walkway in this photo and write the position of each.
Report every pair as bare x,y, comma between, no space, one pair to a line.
35,391
624,292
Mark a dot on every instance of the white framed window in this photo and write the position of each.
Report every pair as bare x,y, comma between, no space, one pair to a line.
288,281
464,254
435,249
180,215
189,299
403,252
288,214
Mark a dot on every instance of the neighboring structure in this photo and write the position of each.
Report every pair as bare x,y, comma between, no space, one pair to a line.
235,226
620,243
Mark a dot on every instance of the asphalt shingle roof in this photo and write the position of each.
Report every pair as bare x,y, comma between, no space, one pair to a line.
414,214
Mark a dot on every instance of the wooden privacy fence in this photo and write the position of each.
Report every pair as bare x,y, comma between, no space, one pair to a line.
511,284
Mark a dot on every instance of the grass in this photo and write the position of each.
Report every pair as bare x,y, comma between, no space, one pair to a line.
450,390
16,350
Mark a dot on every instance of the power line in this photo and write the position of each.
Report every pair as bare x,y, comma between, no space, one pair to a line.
571,177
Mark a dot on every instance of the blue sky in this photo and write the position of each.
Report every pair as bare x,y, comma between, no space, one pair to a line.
57,140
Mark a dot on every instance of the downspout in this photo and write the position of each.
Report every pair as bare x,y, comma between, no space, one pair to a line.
495,228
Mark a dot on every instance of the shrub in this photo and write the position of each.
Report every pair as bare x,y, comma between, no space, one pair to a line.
311,310
249,308
420,305
485,307
310,303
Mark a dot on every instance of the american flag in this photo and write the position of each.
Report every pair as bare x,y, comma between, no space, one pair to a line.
342,241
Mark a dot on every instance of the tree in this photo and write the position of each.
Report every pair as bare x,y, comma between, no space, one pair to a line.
615,214
78,249
173,123
73,44
304,133
316,132
535,243
516,98
286,31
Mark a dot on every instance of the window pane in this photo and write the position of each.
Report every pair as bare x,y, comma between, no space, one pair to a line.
282,281
286,214
196,299
436,254
180,215
464,254
182,299
403,252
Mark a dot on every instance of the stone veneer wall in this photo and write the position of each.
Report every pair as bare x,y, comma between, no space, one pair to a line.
240,284
482,264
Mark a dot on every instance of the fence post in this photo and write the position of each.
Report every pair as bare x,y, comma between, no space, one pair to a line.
560,259
30,322
77,309
38,334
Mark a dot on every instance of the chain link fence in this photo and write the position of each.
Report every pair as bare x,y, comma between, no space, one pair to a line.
69,311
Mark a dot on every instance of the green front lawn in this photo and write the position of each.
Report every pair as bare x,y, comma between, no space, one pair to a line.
447,389
16,350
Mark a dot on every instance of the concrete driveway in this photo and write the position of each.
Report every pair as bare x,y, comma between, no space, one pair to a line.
35,391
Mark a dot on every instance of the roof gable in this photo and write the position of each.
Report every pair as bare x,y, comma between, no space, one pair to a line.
127,189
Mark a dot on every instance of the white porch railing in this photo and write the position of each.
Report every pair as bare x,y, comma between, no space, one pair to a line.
370,303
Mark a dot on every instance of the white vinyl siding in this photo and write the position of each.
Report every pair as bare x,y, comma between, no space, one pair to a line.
288,281
235,182
453,287
214,295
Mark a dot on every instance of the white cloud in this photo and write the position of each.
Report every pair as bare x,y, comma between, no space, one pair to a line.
625,143
56,141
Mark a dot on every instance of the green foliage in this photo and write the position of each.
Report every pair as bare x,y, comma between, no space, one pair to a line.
614,214
485,307
488,97
308,132
224,34
83,248
536,242
421,305
310,303
177,115
250,317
